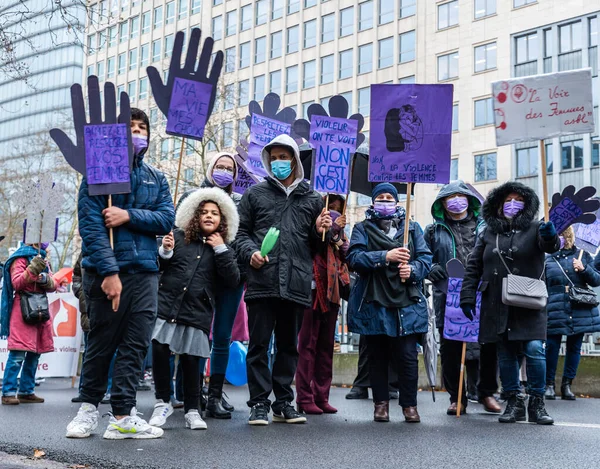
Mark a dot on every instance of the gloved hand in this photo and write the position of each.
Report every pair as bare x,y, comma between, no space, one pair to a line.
547,231
36,266
437,273
42,278
468,310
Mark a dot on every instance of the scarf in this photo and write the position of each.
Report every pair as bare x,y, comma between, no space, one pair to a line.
329,272
8,294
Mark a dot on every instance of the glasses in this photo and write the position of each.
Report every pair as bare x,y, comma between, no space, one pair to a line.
224,168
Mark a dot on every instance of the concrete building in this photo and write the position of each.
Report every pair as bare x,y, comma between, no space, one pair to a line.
310,50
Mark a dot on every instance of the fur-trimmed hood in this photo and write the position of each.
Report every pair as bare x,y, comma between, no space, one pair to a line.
492,208
186,210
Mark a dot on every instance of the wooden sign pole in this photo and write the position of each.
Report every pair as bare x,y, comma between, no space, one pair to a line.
544,181
462,377
407,218
178,171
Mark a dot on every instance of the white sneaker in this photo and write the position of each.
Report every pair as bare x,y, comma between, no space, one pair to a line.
194,421
162,411
84,423
131,427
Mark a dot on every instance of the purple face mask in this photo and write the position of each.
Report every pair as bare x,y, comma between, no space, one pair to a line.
140,143
334,216
513,208
457,205
385,209
44,246
562,242
222,178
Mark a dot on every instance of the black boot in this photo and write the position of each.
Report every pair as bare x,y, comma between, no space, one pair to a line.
515,409
202,395
550,394
537,411
565,390
214,406
226,405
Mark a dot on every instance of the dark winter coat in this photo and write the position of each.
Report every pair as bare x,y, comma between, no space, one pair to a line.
192,274
563,318
371,318
442,242
80,294
151,213
288,274
523,249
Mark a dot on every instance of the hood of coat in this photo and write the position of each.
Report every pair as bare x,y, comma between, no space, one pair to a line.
213,162
283,141
495,200
186,210
455,187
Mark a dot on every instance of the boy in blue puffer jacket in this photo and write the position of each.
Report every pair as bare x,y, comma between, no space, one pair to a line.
121,286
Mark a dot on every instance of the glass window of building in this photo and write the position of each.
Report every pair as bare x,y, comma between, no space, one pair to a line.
346,21
246,17
345,64
277,9
156,50
484,112
410,80
364,101
122,63
146,18
571,154
230,60
133,56
291,79
229,98
521,3
527,48
91,44
217,27
275,82
168,45
527,161
386,52
217,2
143,90
242,129
327,28
292,39
327,69
196,6
110,67
164,149
245,55
570,37
144,55
453,169
407,47
131,90
448,66
593,31
260,50
386,11
293,6
348,96
231,23
112,36
170,16
485,167
485,57
448,14
158,17
365,59
259,88
484,8
310,33
305,107
228,134
365,15
262,8
454,117
183,5
276,44
243,92
90,70
309,73
123,31
135,27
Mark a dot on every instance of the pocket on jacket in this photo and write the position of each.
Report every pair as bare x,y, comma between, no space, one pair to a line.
299,280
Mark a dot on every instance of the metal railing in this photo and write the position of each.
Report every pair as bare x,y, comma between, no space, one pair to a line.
570,60
526,68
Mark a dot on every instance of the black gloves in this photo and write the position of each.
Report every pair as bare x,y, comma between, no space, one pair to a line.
547,231
468,310
437,273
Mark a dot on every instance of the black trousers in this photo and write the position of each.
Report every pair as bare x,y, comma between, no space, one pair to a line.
362,377
127,332
163,376
264,317
472,369
451,351
401,353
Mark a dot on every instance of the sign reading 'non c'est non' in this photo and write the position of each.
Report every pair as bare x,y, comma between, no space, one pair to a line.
106,153
188,109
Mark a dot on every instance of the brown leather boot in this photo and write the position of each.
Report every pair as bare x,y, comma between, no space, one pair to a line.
10,400
411,415
490,404
30,399
382,411
453,407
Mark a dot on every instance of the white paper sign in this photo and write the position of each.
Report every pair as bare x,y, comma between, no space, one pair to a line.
66,331
543,106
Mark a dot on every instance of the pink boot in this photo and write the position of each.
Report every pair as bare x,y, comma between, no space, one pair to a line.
326,407
310,409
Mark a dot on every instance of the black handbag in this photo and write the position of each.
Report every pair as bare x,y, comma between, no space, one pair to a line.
34,307
579,296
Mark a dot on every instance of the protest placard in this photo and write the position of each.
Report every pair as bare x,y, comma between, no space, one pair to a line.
106,154
456,325
262,130
543,106
587,236
411,130
334,141
570,207
245,177
189,108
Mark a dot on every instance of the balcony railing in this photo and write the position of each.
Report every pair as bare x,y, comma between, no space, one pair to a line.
548,65
593,60
526,69
570,61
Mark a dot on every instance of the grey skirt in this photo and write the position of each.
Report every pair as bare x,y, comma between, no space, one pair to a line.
181,339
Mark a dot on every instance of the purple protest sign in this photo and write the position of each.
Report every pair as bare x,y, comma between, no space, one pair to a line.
189,108
262,131
106,154
411,131
456,325
564,214
245,178
588,236
334,141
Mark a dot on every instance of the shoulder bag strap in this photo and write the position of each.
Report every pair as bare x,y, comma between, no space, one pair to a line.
500,255
564,273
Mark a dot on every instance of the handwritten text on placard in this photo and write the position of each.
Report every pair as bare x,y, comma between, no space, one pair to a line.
188,108
456,325
262,131
106,153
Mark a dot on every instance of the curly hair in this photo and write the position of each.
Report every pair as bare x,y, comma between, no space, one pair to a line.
193,231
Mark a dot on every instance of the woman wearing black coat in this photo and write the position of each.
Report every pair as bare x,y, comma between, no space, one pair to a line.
510,212
563,271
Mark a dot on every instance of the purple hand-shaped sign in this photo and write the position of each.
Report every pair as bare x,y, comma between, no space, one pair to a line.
456,325
262,130
564,214
189,108
106,154
334,141
245,178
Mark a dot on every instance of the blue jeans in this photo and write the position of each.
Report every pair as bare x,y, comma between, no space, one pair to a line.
571,358
508,361
24,362
227,303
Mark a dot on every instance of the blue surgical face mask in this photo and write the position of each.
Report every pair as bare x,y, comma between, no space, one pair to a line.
281,169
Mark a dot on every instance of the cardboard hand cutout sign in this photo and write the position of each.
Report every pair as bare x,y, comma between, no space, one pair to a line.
456,325
569,207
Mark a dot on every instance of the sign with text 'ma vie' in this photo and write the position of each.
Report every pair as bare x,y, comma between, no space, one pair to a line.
188,109
334,141
543,106
411,133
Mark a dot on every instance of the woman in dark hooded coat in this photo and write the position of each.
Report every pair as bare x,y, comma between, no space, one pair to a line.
510,212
